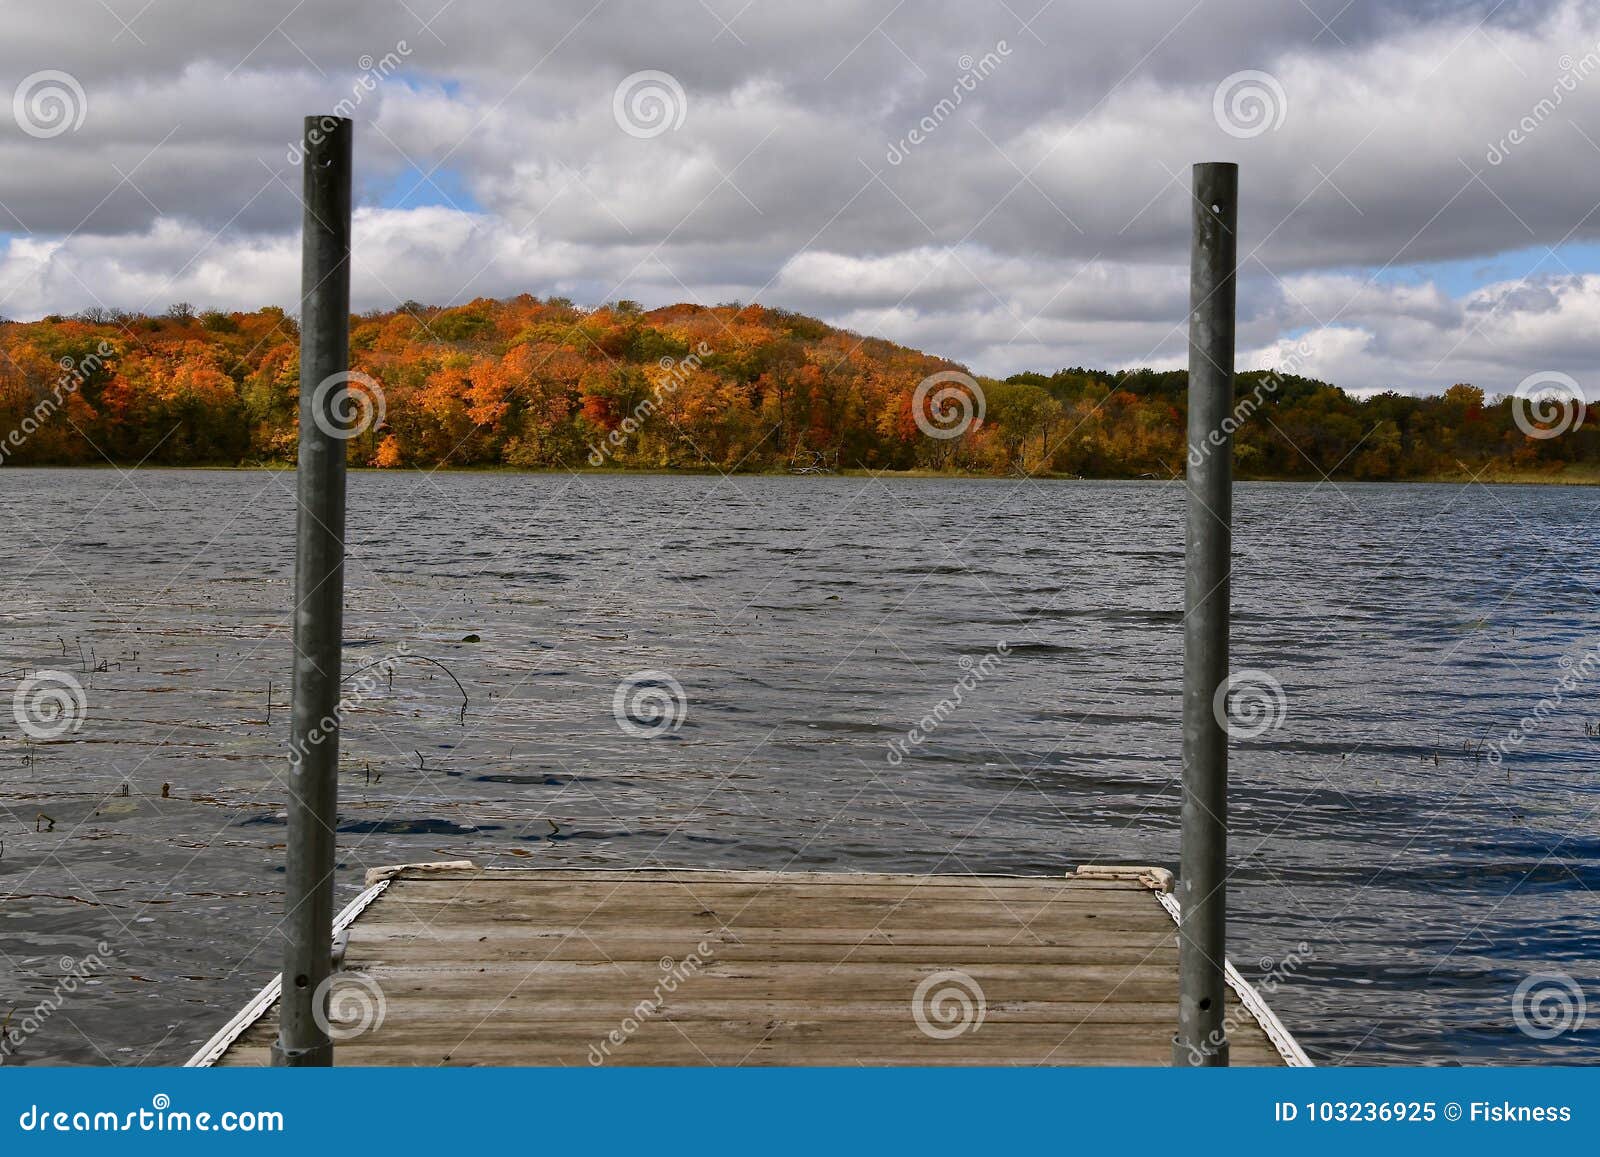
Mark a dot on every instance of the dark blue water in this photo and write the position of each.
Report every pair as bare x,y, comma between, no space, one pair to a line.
810,623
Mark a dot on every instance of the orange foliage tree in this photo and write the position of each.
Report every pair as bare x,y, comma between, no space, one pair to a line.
540,383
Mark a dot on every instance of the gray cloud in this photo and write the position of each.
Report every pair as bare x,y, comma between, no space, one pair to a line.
1041,218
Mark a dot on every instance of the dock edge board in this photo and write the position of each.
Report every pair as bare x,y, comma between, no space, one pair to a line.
1277,1032
1158,880
212,1050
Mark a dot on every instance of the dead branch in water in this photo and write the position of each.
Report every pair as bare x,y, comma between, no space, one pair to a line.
426,659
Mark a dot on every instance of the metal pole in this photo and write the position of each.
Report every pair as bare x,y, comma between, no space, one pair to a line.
319,596
1202,887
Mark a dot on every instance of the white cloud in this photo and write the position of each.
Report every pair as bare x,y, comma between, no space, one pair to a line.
1043,223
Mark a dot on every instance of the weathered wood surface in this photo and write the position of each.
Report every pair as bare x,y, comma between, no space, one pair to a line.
636,968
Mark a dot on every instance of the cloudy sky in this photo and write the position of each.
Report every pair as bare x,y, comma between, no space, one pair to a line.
1000,181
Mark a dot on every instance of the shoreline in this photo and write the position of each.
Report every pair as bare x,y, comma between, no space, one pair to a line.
1588,476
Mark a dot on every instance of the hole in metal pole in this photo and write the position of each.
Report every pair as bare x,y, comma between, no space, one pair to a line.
1205,1003
301,981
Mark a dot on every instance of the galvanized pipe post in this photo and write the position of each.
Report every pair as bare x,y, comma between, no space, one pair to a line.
1202,887
303,1038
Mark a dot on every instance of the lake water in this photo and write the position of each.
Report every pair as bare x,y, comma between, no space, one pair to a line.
1412,883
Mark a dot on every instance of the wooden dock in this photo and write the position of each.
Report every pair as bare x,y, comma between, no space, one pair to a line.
455,965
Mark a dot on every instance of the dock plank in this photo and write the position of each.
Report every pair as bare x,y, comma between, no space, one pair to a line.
659,967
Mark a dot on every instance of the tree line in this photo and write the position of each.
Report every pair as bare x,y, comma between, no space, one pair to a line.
541,383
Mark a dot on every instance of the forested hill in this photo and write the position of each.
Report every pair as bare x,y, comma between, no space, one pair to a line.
541,383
